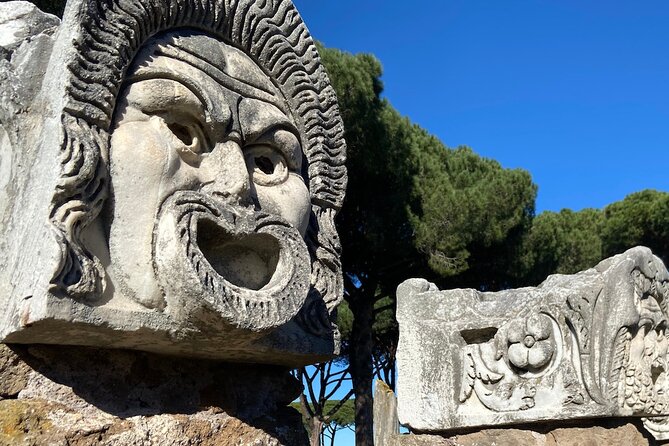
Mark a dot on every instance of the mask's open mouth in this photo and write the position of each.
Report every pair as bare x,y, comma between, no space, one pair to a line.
248,260
246,267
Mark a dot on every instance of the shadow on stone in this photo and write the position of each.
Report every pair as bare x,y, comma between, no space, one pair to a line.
116,385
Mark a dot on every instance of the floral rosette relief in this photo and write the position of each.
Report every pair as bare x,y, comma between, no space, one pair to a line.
530,342
503,373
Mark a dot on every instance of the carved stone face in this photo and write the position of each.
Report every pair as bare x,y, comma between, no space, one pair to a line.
209,205
191,164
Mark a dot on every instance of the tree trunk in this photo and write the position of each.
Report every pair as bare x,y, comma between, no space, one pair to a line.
332,438
316,426
362,307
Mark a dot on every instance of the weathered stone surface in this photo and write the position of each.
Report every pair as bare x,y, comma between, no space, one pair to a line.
386,425
21,22
502,437
622,434
169,177
83,396
421,440
587,345
602,432
625,434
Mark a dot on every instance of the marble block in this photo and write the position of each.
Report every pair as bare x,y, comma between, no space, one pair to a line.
587,345
169,177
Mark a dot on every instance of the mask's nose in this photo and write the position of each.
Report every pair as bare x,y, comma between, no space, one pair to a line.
224,173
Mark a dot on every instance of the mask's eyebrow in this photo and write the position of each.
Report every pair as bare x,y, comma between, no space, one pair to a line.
256,118
237,85
261,123
153,73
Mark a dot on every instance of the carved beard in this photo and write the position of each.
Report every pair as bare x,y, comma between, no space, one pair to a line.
220,262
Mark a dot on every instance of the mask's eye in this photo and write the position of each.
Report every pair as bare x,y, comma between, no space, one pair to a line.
185,134
189,139
267,166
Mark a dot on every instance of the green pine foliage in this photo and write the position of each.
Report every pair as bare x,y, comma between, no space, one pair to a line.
641,218
567,241
468,213
561,242
344,416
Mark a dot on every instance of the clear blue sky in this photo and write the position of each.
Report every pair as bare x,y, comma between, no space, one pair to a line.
575,92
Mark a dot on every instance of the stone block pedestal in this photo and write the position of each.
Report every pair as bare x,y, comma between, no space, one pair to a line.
603,432
82,396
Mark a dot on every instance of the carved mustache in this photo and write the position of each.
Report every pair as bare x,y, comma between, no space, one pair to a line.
218,260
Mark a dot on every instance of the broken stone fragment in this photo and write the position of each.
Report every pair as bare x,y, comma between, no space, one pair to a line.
588,345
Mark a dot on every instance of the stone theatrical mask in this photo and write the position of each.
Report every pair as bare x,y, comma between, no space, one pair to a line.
218,164
198,158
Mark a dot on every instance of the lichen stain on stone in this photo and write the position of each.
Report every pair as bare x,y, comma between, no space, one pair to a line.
21,419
